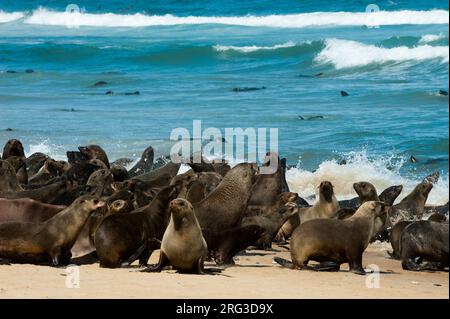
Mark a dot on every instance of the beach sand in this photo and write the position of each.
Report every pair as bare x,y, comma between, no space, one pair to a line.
254,276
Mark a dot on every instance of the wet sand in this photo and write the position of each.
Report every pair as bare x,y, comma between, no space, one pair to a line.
254,276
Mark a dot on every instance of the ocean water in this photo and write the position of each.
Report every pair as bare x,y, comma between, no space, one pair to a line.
185,58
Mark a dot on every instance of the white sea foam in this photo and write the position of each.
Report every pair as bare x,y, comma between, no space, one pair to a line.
427,38
346,54
381,172
10,16
253,48
46,17
54,151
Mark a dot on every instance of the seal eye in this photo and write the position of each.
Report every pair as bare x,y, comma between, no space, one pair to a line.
95,201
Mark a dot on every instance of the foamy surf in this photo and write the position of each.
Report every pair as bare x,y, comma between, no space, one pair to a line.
428,38
10,16
347,54
381,172
252,48
44,16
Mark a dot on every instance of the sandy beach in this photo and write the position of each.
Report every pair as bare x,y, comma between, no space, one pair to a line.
254,276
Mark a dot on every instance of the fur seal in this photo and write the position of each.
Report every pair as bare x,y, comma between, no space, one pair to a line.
15,148
325,207
232,241
183,246
100,183
145,163
27,210
337,241
84,244
398,228
94,152
271,223
411,207
119,173
390,194
170,169
8,178
223,207
366,192
55,193
424,241
267,187
19,165
49,170
35,161
123,238
50,241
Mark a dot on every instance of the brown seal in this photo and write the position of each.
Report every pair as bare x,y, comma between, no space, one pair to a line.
15,148
325,207
411,207
35,161
8,178
145,163
171,169
183,246
398,228
18,163
84,244
223,208
58,193
50,241
390,194
337,241
49,170
366,192
100,183
27,210
271,222
267,187
123,238
94,152
424,241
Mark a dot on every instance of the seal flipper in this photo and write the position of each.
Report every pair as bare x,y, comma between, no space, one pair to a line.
327,266
163,262
5,261
284,262
135,256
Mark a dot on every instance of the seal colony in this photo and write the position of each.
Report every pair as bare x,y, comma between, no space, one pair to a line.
88,208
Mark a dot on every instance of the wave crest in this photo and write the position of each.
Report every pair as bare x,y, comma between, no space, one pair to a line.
346,54
43,16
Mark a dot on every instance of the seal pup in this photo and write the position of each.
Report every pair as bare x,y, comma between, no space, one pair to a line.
183,246
50,241
336,241
424,241
145,163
